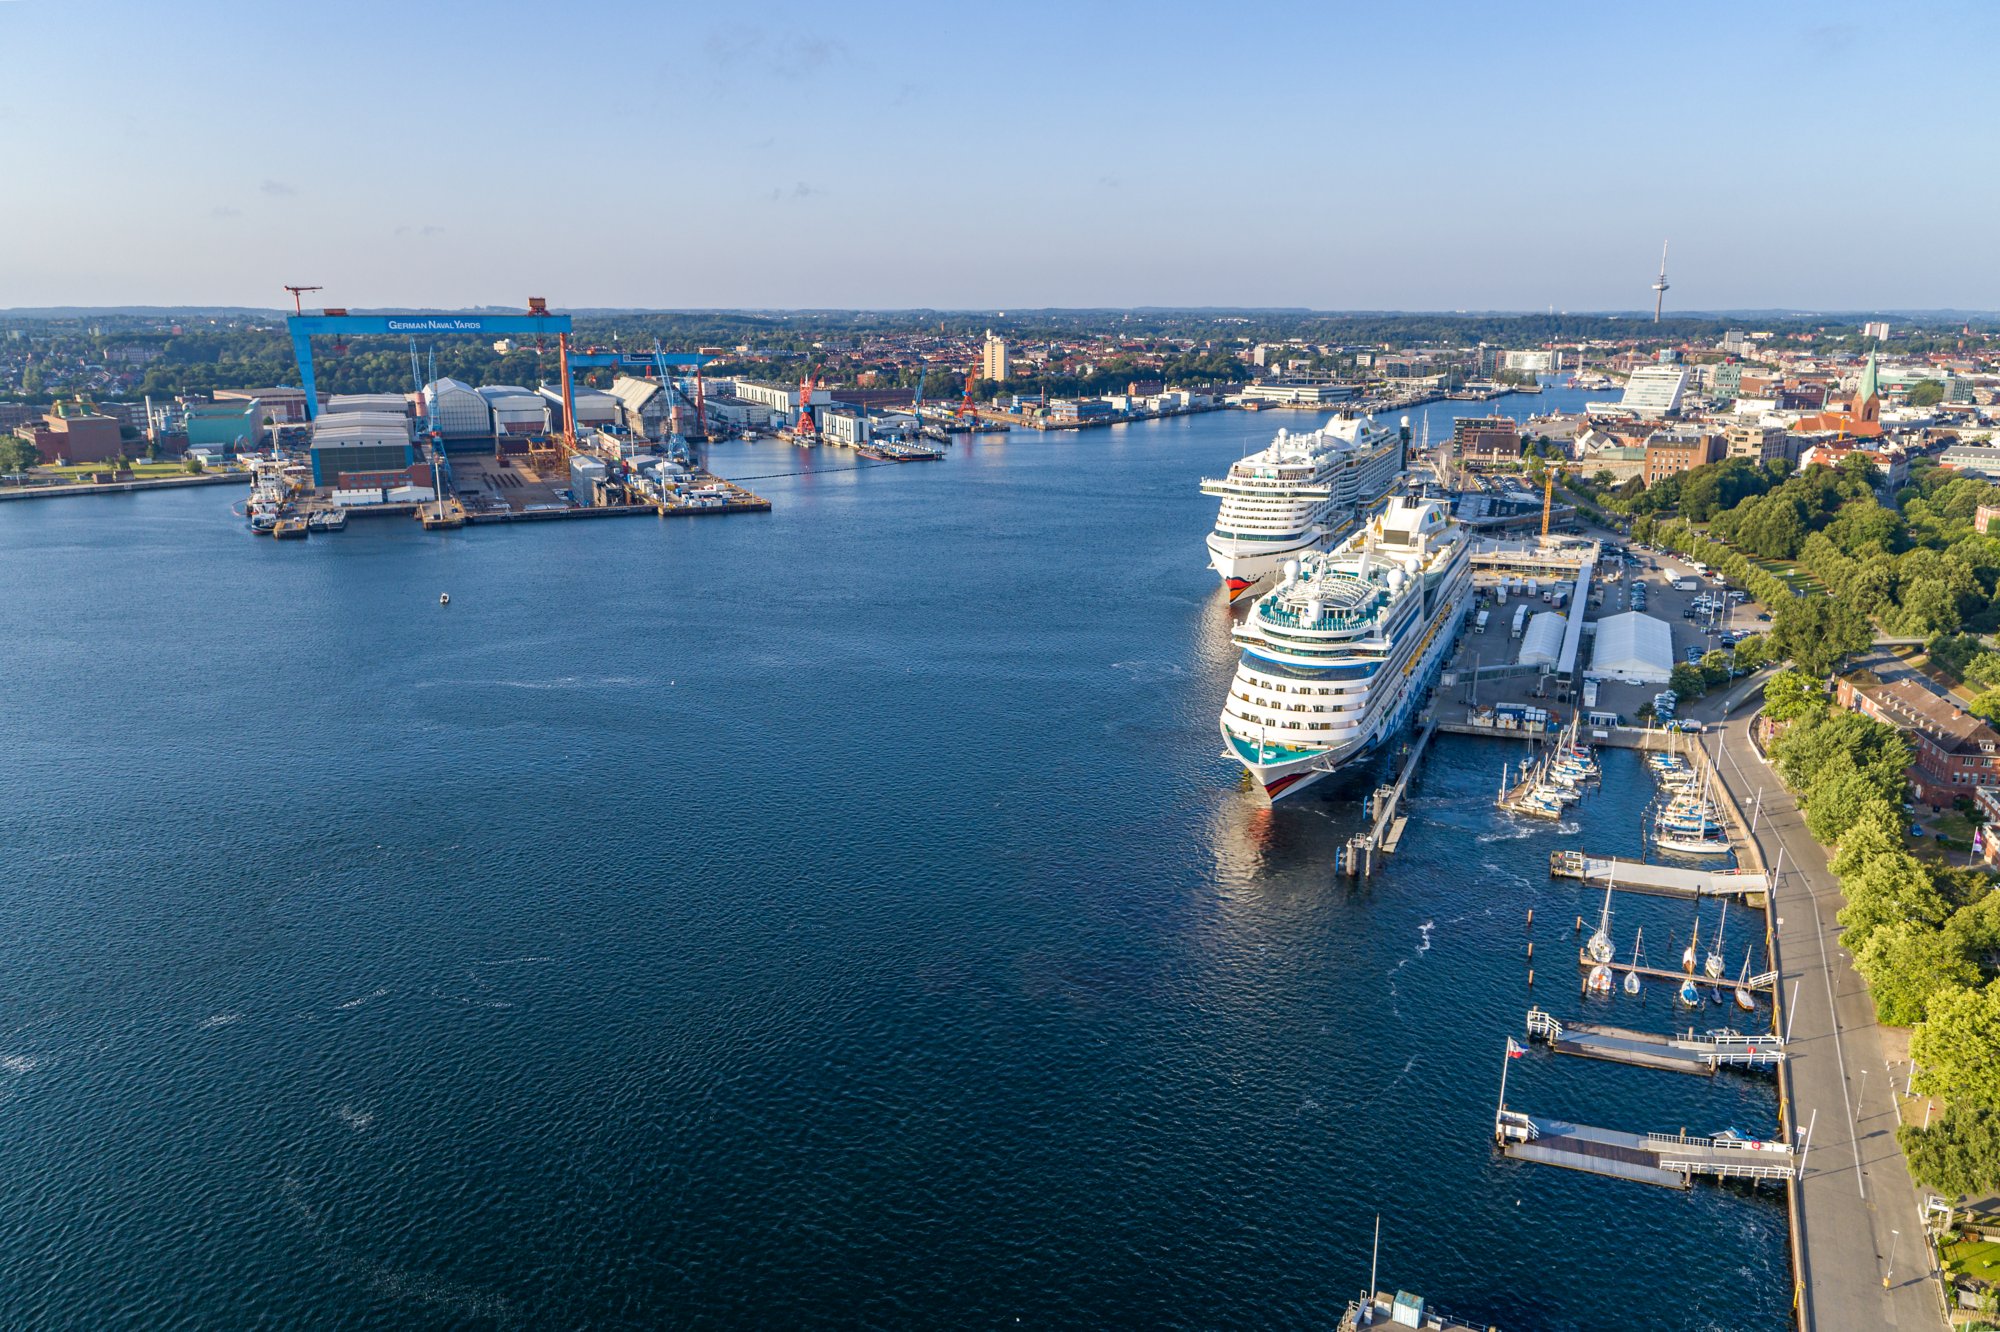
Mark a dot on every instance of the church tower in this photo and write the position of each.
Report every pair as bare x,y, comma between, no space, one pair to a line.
1867,401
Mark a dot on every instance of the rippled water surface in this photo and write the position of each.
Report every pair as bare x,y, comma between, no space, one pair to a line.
835,917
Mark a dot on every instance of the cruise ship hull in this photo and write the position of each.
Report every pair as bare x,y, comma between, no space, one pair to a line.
1243,570
1284,777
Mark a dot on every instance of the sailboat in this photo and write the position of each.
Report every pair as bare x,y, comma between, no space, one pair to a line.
1744,999
1632,973
1689,994
1599,948
1600,979
1711,965
1689,954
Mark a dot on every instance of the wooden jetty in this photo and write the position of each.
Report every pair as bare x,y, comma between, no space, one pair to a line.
1636,876
1670,1160
1699,1053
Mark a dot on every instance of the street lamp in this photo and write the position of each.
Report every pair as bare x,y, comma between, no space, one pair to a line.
1894,1235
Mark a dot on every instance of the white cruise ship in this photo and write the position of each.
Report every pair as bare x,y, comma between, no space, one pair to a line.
1297,493
1342,651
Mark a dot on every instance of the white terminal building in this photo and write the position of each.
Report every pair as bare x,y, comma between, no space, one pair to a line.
1655,390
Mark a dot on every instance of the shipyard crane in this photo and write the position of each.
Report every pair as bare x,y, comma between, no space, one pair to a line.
805,430
1660,284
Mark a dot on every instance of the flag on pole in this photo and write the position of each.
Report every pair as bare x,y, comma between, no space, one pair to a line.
1514,1050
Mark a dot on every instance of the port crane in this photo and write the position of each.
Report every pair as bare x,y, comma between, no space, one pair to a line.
806,430
968,412
297,292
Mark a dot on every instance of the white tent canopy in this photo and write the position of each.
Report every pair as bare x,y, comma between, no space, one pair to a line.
1634,648
1542,644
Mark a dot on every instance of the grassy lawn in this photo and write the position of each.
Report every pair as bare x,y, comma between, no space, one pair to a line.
82,471
1973,1257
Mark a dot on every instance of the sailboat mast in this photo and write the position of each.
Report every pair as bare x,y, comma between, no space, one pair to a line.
1374,1263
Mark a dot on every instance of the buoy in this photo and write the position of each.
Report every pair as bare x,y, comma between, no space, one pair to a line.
1531,918
1531,948
444,598
1531,978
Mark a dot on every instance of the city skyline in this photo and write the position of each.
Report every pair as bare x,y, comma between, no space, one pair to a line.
890,156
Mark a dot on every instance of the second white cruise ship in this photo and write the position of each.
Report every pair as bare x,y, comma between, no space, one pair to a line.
1296,493
1342,651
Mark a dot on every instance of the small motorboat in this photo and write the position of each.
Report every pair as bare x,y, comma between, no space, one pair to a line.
1600,979
1689,995
444,598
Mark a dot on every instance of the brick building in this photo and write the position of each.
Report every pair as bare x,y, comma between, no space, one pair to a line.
1485,439
1956,753
1669,453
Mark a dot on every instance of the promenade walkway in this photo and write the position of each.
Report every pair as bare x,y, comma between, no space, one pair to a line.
1856,1190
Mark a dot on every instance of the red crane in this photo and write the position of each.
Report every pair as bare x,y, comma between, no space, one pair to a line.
966,411
806,428
297,306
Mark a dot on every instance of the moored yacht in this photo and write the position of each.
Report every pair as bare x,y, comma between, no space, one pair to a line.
1344,649
1298,493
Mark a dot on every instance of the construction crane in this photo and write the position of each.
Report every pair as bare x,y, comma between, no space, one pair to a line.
1660,284
297,307
1548,495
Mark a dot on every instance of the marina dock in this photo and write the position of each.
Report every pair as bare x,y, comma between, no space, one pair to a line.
1690,1052
1669,1160
1636,876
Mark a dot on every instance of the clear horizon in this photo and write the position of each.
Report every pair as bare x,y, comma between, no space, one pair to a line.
892,156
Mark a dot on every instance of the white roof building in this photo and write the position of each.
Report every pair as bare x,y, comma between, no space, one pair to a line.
1655,390
1633,648
1542,644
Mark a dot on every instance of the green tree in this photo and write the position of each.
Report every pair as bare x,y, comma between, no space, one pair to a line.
1905,965
1752,653
1816,632
1957,1049
1715,668
17,454
1959,1153
192,467
1687,682
1926,393
1791,694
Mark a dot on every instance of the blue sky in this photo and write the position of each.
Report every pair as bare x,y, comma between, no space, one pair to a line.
1338,156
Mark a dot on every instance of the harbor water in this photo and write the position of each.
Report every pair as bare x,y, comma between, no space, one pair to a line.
835,917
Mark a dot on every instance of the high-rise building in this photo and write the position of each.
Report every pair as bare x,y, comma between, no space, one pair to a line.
994,365
1655,390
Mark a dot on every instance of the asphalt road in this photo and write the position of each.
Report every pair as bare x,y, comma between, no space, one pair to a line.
1860,1217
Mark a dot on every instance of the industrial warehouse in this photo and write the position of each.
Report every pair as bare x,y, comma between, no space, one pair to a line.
450,454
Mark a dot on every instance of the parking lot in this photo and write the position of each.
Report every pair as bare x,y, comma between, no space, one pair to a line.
1664,601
